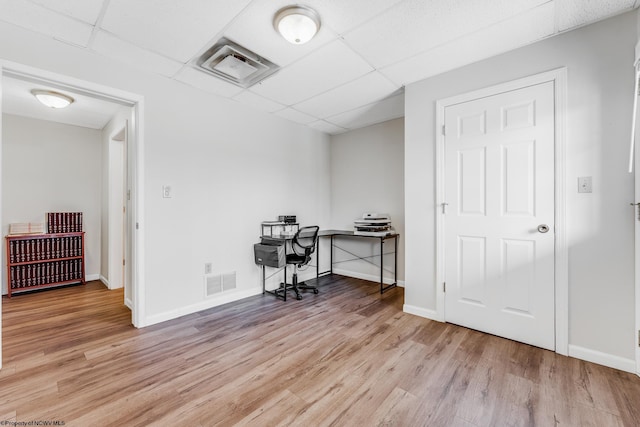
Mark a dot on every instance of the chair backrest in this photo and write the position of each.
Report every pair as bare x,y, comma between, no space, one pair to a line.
304,241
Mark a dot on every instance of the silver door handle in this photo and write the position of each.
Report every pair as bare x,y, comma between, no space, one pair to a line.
543,228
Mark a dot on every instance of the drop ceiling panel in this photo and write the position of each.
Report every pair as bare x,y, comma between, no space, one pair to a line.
343,15
414,26
326,127
176,28
524,29
35,18
112,47
574,13
207,82
256,101
295,116
362,91
85,10
388,109
328,67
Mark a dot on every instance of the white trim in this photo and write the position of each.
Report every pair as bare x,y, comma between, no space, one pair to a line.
91,277
604,359
369,277
136,142
422,312
203,305
559,78
104,281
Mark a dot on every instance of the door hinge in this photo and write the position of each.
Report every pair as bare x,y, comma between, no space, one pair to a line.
444,287
137,226
444,207
638,337
444,130
123,262
128,194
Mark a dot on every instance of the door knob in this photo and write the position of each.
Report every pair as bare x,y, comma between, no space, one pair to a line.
543,228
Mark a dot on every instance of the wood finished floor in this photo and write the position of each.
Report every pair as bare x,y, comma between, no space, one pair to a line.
345,357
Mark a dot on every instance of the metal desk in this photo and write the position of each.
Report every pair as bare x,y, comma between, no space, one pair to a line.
346,233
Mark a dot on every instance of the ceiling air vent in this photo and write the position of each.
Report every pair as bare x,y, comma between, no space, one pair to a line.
235,64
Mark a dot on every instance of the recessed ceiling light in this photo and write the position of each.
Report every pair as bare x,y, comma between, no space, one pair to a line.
297,24
52,99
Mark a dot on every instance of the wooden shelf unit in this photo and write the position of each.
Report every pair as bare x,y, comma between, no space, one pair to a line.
36,261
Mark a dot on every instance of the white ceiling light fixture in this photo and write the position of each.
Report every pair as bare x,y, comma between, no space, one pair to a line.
297,24
52,99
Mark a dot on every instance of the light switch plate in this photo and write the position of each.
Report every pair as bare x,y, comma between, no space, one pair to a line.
584,184
166,191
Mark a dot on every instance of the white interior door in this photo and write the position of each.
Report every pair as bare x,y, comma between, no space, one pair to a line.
499,222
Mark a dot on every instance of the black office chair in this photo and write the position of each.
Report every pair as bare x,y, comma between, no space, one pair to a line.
302,245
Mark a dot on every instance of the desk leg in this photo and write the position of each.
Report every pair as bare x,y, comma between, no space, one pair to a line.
264,288
381,265
331,257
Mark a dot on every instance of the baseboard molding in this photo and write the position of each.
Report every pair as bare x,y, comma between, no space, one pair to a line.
605,359
90,277
104,281
369,277
128,303
422,312
202,305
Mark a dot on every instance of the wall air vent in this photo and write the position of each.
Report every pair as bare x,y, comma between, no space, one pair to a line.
235,64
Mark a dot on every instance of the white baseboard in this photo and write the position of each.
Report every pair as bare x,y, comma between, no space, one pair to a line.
422,312
104,281
128,303
90,277
202,305
605,359
369,277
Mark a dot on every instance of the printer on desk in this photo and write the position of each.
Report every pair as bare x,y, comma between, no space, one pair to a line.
373,224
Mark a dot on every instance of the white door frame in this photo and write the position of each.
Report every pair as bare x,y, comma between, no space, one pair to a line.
135,156
116,200
559,78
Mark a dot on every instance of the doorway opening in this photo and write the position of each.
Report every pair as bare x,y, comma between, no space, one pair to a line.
128,141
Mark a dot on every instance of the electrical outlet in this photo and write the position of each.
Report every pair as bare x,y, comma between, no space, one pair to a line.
166,191
584,184
207,268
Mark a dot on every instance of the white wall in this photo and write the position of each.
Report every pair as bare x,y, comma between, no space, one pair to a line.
599,59
367,175
52,167
230,167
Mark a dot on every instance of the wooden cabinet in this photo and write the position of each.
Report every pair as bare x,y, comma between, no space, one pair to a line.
37,261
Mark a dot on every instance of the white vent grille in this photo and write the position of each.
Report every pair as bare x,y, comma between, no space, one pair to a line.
229,281
212,285
217,283
235,64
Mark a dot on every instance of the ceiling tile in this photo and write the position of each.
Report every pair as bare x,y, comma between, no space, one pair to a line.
574,13
364,90
204,81
85,10
256,101
414,26
524,29
253,29
343,15
327,127
33,17
112,47
328,67
295,116
390,108
176,28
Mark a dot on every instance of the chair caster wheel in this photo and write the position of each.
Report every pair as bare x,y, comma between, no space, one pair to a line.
315,291
298,297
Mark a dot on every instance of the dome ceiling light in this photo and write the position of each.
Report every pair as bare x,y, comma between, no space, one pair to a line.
297,24
52,99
